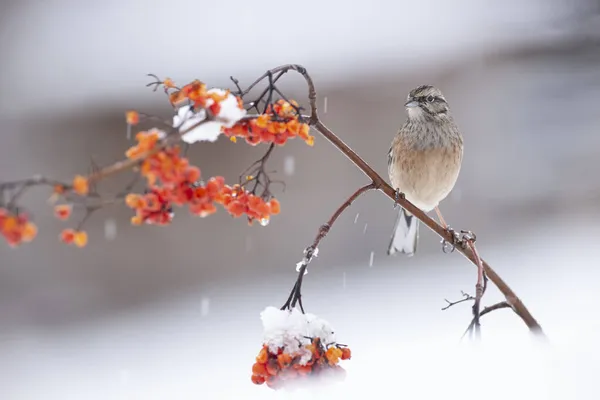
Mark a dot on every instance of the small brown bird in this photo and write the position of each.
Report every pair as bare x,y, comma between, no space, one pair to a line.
423,162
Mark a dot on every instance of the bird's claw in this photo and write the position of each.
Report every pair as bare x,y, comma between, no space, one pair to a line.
457,239
468,236
449,247
397,196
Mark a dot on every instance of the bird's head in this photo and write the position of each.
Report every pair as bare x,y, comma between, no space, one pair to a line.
426,102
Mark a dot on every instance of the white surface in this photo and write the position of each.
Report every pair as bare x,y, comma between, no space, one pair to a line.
402,345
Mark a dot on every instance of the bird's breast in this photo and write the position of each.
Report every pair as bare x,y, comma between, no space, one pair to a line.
425,167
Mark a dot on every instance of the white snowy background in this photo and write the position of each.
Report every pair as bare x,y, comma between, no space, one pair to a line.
150,313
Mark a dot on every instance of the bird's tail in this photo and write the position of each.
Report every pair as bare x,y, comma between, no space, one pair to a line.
405,234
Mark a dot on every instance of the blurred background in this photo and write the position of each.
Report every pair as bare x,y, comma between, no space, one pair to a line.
157,313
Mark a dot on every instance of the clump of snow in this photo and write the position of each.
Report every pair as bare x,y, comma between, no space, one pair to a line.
230,112
228,115
291,330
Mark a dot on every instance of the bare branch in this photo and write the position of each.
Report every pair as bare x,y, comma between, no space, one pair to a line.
312,250
466,297
487,310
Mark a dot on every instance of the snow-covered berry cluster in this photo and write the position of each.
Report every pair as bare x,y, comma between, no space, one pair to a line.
297,346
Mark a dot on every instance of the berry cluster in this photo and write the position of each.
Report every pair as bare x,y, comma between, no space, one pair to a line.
77,237
239,201
16,228
199,96
311,360
153,207
69,236
81,186
279,123
173,181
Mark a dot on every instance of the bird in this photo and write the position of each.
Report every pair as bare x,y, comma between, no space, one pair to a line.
424,162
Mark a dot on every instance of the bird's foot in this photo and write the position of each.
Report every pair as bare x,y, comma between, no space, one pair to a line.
460,239
468,236
450,246
397,196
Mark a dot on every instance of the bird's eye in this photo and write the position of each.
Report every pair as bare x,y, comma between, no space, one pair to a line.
430,99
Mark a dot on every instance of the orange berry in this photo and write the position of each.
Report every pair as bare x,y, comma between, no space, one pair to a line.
80,238
333,355
262,121
258,380
310,141
132,117
284,360
293,127
193,174
62,211
214,185
280,140
177,97
275,206
132,152
137,220
67,236
81,185
151,202
203,210
214,108
272,366
168,83
133,200
346,353
303,132
10,223
263,356
236,208
303,369
59,189
29,232
259,369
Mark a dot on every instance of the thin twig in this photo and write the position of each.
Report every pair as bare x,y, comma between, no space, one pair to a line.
466,297
256,173
312,250
132,162
478,289
487,310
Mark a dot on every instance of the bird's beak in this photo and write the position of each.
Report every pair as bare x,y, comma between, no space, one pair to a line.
411,103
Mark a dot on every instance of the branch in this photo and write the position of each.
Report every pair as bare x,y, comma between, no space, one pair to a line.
466,297
132,162
381,184
312,250
257,175
497,306
486,310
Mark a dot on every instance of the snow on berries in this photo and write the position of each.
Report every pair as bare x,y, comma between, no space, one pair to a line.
297,346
